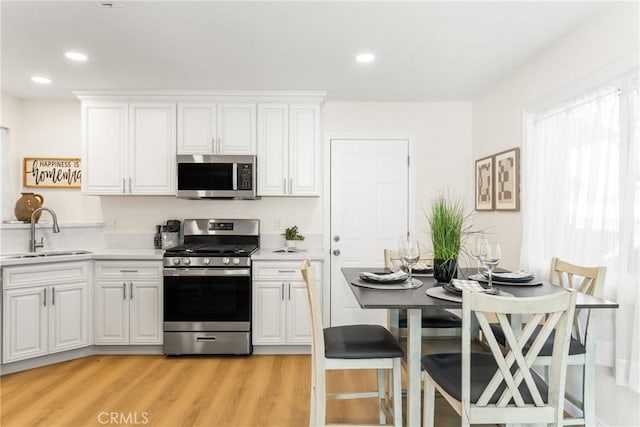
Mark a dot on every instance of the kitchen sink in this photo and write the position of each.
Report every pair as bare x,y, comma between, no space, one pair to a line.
47,254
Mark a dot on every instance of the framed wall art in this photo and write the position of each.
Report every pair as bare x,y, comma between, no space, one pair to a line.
507,180
484,184
45,172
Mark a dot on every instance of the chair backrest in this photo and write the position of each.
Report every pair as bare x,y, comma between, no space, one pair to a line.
588,280
392,259
514,367
317,330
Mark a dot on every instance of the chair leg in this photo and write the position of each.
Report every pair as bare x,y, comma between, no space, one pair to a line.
312,394
429,403
588,393
397,392
381,396
321,399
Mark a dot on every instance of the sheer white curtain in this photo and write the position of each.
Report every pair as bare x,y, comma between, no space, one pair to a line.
581,202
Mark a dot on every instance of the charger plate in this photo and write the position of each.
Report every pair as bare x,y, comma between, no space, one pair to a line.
415,283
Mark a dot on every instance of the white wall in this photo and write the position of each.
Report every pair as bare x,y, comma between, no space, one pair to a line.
52,128
497,115
441,132
608,39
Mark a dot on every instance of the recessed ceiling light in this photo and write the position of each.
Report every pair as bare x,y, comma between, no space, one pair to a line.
365,58
76,56
41,80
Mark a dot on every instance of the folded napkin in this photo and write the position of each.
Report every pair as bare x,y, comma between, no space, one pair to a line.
468,285
516,275
397,276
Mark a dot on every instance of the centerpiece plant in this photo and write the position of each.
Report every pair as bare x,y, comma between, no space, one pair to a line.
448,226
292,236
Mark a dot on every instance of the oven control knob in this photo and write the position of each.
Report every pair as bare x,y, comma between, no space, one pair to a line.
175,261
206,261
186,261
236,261
225,260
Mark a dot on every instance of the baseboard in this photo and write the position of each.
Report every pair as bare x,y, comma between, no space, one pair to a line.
281,349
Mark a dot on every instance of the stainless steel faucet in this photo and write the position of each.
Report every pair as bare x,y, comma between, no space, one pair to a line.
33,245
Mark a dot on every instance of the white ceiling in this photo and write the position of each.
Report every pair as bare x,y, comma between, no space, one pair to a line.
426,51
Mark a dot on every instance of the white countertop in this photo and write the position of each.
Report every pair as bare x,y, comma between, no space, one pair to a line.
7,260
268,254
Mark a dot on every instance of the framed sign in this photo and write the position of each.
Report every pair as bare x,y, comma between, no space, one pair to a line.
44,172
484,184
507,180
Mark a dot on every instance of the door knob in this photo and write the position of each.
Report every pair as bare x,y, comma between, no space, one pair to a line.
336,252
336,238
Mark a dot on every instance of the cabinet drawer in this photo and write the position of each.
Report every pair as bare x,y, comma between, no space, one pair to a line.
45,274
116,270
279,270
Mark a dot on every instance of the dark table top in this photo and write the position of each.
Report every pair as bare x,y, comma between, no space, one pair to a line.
416,298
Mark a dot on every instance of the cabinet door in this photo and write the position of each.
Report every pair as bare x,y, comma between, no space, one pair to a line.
269,313
298,320
273,152
237,128
24,322
304,153
104,145
146,312
196,128
112,313
68,317
152,151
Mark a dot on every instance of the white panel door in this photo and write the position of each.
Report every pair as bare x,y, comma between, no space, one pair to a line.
104,144
237,128
24,321
196,128
112,313
304,144
273,152
152,149
68,317
145,312
298,316
269,313
369,212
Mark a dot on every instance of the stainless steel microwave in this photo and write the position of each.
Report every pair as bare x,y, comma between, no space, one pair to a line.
216,177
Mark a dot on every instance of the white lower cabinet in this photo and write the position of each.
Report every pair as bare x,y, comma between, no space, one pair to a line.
128,303
280,306
45,318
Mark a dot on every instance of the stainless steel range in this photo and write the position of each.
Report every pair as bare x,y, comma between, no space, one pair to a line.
207,288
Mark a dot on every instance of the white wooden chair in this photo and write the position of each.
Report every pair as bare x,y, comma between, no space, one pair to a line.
488,388
351,347
435,323
590,281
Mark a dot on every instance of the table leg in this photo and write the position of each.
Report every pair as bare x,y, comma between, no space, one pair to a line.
414,369
394,322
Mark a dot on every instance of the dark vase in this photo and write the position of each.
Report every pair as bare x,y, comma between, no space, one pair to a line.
444,270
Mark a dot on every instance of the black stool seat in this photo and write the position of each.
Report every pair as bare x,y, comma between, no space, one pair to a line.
446,370
360,342
438,318
575,347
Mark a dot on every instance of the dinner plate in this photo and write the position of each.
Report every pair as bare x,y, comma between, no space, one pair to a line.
481,278
382,279
510,277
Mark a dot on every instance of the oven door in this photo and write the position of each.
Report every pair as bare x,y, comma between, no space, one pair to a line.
207,299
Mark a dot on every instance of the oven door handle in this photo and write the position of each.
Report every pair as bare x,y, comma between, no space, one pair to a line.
235,272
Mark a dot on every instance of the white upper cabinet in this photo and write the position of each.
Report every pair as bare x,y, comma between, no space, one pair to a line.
217,128
129,148
288,149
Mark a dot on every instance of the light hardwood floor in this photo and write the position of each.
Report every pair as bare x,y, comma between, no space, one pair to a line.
186,391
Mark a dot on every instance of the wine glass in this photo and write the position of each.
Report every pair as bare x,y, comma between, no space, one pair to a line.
490,254
409,252
476,247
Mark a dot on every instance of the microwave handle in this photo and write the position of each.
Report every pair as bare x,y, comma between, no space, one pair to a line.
235,175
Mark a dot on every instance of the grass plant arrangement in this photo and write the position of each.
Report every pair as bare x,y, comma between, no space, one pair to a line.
292,233
448,227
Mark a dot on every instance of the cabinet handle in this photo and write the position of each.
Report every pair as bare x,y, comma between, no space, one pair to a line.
219,144
286,271
130,185
124,182
130,290
289,297
124,290
284,185
44,302
282,291
290,185
53,296
128,271
214,142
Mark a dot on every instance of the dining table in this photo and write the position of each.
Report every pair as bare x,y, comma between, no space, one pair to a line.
414,300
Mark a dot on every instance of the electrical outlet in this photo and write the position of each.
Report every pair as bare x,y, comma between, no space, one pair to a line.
278,224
